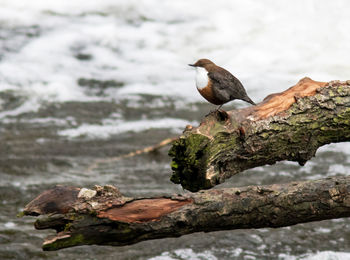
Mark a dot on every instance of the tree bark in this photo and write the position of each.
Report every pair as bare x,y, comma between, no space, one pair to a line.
290,125
103,216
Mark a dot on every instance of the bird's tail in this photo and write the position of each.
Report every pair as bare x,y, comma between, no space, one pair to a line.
247,99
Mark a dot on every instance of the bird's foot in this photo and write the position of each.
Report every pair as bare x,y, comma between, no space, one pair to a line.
220,114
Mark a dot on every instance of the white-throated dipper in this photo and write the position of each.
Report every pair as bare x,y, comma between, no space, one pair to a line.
217,85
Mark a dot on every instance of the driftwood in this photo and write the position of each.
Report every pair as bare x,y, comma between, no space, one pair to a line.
290,125
287,126
103,216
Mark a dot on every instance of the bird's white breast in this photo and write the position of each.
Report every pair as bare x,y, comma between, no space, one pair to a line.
202,79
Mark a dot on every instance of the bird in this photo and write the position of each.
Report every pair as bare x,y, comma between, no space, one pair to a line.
217,85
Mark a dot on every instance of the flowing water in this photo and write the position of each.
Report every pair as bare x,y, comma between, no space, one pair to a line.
85,80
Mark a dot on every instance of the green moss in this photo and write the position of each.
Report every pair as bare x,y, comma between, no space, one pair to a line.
20,214
174,165
265,135
73,217
189,161
73,240
331,93
216,128
223,143
67,226
315,125
343,91
126,230
296,120
339,100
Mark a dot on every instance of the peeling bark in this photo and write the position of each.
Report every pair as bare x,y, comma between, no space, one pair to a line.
103,216
290,125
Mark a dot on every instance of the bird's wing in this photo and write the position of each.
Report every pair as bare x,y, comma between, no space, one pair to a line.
226,81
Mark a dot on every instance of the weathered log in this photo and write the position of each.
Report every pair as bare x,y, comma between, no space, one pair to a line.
103,216
290,125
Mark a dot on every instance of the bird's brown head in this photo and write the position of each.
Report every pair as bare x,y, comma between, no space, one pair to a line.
202,63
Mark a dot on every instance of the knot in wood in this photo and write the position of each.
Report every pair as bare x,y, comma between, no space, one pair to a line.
337,194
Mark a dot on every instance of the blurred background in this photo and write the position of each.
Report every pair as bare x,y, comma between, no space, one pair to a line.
85,80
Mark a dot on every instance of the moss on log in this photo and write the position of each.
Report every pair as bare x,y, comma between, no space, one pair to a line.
290,125
103,216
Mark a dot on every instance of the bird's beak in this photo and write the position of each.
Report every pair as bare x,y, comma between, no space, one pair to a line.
192,65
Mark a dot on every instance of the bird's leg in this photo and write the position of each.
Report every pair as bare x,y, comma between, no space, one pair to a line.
216,110
221,115
219,107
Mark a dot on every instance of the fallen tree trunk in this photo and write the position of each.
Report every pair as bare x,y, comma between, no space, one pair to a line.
103,216
290,125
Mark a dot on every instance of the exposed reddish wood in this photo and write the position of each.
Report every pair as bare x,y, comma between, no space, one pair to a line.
276,103
270,106
144,210
106,201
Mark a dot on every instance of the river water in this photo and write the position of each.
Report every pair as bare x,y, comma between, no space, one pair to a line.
85,80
